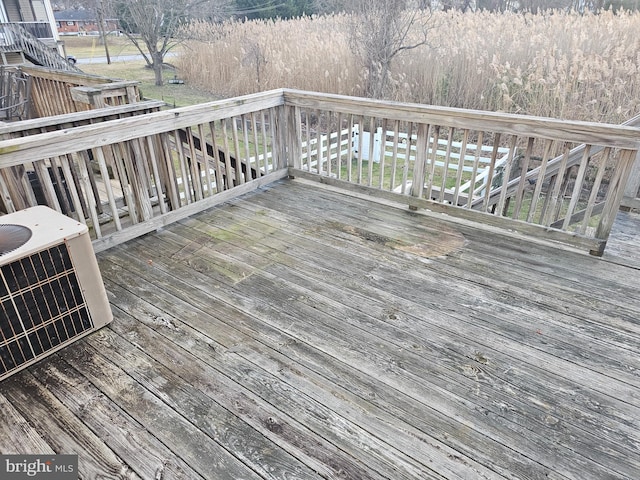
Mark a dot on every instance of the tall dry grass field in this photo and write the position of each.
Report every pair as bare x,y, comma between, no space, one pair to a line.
564,65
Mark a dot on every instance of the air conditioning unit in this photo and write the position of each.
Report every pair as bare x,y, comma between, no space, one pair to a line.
51,291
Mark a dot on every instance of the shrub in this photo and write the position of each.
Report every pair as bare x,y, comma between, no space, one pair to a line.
557,64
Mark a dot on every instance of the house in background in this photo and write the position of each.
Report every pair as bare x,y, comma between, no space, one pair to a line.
82,22
33,17
28,35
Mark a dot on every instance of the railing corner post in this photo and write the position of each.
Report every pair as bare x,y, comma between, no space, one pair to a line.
292,137
632,188
420,166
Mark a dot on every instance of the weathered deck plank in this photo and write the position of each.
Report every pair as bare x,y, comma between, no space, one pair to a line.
623,246
130,440
62,430
531,332
18,436
297,332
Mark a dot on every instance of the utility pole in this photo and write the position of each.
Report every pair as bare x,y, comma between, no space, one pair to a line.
102,32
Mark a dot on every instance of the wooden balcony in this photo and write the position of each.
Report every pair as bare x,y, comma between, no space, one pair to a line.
327,325
559,180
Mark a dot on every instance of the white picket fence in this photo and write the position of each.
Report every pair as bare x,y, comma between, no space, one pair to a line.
338,145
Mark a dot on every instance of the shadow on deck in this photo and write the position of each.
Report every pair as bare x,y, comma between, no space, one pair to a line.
297,332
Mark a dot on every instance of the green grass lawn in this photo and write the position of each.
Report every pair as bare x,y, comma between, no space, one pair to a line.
178,95
91,46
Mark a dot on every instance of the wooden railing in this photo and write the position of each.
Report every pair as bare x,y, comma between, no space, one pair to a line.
128,176
557,179
56,92
39,30
23,186
89,117
124,177
18,37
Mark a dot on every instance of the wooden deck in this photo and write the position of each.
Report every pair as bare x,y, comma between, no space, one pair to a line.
623,246
297,332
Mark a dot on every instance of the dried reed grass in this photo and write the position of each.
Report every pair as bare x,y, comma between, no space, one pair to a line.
563,65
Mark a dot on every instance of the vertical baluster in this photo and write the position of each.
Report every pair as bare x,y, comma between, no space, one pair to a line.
241,176
371,148
394,154
522,184
407,159
61,192
492,168
461,166
577,189
548,149
435,138
445,168
318,150
219,173
340,151
231,169
265,144
251,174
420,164
169,170
593,196
556,194
184,170
7,201
92,200
276,159
70,182
206,163
122,174
474,173
256,145
194,165
350,134
153,159
506,175
102,165
137,156
382,153
44,178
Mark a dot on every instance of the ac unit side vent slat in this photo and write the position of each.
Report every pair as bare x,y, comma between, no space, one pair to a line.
42,307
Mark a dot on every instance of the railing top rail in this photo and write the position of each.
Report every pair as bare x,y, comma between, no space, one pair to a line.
107,86
71,118
62,142
76,78
554,165
606,135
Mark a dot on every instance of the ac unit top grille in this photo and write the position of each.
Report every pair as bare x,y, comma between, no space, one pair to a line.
47,227
13,236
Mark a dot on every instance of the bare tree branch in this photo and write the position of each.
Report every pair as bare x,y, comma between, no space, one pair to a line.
379,31
152,25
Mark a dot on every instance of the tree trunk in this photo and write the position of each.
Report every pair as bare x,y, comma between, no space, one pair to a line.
157,68
377,79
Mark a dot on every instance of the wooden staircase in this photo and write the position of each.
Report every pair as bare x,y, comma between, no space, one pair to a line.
15,39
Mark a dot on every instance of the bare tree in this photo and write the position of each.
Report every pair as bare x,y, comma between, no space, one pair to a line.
152,25
379,31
